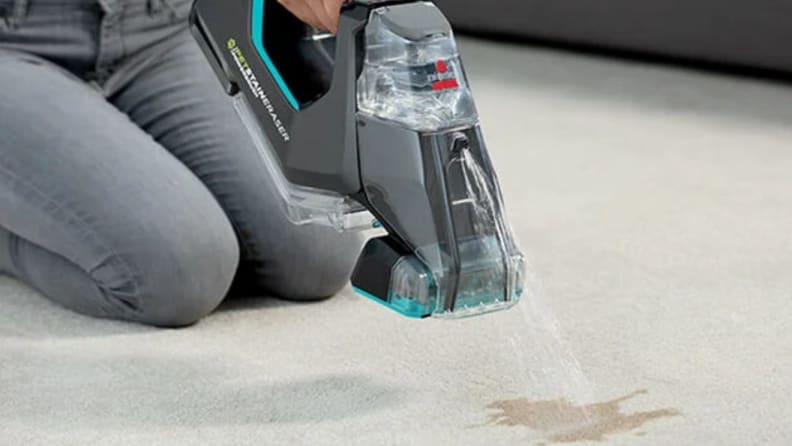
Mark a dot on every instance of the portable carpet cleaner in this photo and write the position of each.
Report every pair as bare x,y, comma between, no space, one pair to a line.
374,127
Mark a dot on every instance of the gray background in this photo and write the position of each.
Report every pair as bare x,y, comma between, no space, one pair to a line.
751,33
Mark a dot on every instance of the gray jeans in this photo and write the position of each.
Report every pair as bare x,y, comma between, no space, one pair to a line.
128,188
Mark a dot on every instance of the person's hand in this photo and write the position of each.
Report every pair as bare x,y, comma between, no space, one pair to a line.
321,14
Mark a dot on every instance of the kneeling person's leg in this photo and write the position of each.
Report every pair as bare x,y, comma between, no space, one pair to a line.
97,215
187,112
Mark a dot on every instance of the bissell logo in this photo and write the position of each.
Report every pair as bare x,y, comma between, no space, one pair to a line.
446,79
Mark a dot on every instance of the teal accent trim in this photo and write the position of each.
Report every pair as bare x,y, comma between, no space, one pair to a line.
413,313
258,42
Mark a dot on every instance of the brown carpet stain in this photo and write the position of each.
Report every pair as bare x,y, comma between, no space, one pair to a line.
564,422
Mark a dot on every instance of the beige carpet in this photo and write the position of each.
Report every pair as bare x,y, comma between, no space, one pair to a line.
656,206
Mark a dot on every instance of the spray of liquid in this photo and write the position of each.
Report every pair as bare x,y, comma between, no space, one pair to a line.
541,340
540,353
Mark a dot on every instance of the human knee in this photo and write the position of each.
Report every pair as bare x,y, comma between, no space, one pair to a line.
181,274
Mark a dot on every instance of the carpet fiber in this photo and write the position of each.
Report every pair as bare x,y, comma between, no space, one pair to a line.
654,204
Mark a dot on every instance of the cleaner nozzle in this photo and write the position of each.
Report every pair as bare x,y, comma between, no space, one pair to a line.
405,284
449,252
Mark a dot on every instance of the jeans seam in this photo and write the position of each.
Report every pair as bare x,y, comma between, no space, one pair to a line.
84,230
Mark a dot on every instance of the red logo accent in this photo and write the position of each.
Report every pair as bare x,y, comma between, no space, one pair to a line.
445,85
446,82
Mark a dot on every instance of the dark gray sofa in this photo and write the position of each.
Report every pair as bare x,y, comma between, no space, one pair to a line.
748,33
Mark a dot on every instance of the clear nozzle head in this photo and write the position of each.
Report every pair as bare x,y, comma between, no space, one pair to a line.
408,286
474,268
